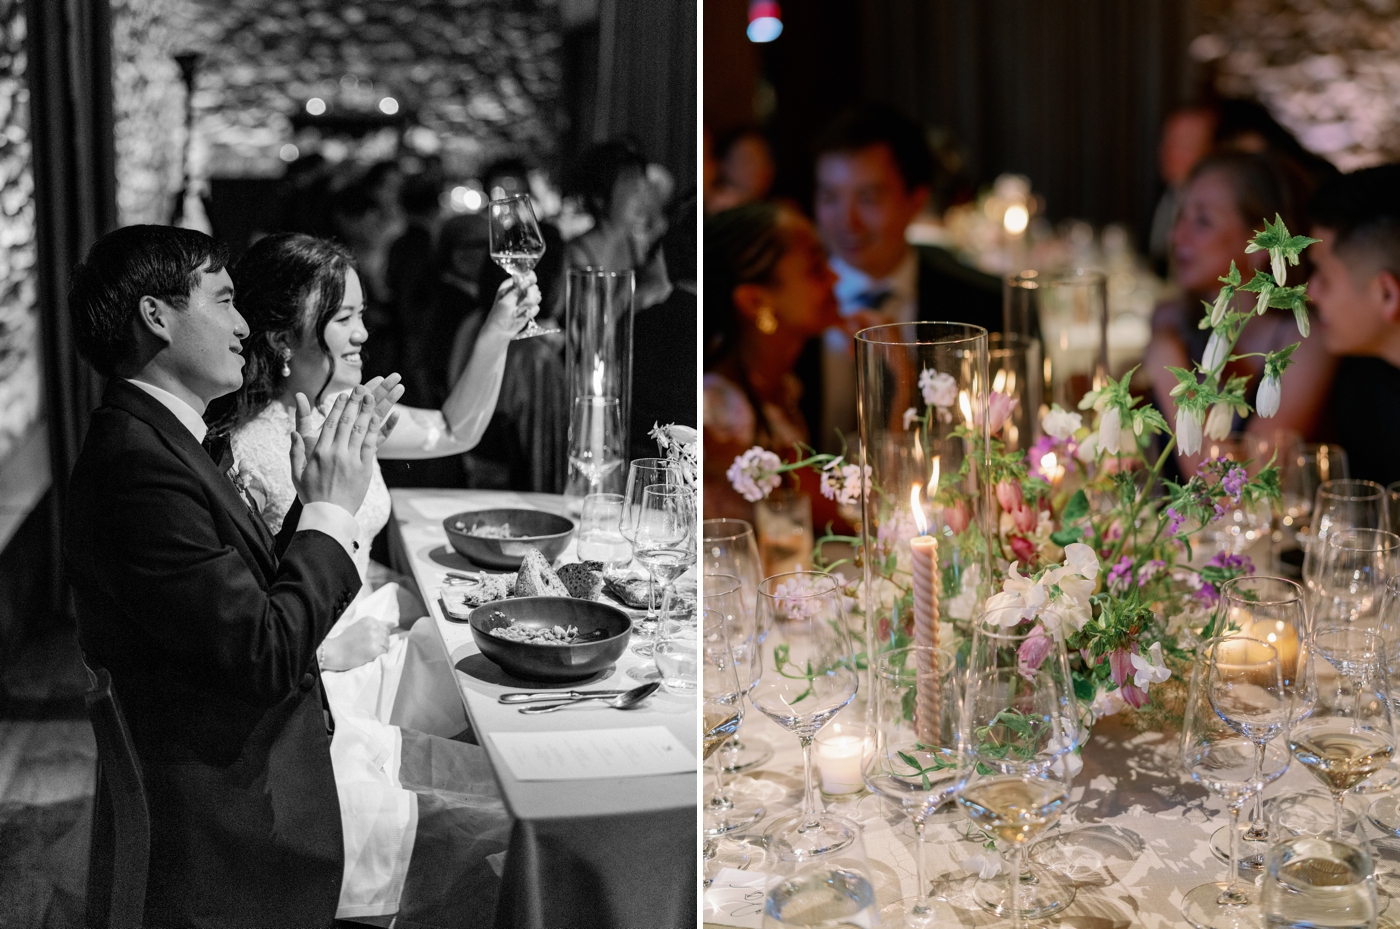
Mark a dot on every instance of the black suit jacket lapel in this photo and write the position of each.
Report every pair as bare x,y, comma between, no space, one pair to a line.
143,406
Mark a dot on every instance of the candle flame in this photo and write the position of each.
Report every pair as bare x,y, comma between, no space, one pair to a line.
965,404
598,376
933,480
999,382
918,509
1048,463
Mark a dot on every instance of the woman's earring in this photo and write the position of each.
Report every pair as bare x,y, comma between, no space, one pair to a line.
766,322
286,363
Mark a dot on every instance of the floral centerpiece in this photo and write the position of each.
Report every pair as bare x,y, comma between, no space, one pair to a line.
1087,540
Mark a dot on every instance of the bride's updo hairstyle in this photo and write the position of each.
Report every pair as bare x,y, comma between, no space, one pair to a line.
288,286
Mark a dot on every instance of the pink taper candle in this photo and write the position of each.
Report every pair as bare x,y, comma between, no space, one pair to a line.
925,551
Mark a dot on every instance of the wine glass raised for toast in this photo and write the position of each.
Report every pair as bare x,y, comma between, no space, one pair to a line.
517,246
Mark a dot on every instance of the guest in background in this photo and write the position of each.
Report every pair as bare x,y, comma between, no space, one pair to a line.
1228,196
411,274
873,172
747,169
768,290
610,181
1187,137
1356,288
361,220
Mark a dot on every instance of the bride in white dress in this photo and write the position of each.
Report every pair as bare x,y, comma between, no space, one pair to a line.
403,786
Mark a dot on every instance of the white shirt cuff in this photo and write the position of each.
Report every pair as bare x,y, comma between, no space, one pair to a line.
335,521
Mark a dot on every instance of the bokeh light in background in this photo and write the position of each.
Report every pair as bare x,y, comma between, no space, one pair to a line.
765,21
315,106
467,199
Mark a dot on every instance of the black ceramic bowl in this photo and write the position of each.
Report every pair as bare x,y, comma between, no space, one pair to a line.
552,662
529,529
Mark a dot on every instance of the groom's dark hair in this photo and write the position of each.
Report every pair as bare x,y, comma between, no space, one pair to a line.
121,268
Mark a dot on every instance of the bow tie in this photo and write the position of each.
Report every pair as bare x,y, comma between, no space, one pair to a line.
872,299
220,449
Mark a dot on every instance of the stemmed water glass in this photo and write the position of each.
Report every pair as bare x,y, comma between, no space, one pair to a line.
1349,735
1341,504
1020,719
1350,579
916,703
808,677
1271,610
1236,699
723,812
641,474
516,245
664,539
728,547
723,705
1385,811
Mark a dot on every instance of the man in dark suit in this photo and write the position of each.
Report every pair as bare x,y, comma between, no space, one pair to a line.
208,625
874,172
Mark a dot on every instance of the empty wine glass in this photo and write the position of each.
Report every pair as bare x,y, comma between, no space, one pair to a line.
808,677
516,245
916,704
728,546
1271,610
1341,504
1349,735
1350,579
641,474
722,706
664,539
597,445
1020,718
1385,811
1236,697
724,812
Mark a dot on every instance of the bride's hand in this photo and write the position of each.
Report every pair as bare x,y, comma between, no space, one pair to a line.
512,311
363,642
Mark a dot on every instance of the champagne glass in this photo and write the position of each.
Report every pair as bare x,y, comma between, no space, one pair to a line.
516,245
641,474
1020,718
916,703
722,707
1349,735
664,539
723,812
600,533
1271,610
808,677
728,547
1236,697
1341,504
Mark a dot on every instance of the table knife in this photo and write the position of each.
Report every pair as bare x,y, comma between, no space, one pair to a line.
559,695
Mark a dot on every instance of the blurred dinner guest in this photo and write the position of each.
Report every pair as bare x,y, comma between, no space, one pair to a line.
305,309
611,183
747,169
410,272
1356,288
208,625
768,290
1187,137
361,219
873,173
1228,196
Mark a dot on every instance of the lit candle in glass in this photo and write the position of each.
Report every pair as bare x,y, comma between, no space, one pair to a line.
839,751
924,548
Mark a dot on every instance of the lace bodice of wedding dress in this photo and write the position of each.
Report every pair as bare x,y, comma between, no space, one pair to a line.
265,443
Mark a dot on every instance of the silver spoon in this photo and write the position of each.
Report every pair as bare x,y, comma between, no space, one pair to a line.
621,702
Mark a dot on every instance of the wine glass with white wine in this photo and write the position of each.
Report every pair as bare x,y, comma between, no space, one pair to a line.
517,245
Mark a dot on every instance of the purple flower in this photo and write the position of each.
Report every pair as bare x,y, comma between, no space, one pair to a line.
1150,570
1207,596
1219,511
1120,574
1133,695
1233,482
1174,521
1242,564
1031,655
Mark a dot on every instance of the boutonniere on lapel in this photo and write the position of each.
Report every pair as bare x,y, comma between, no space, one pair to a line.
250,485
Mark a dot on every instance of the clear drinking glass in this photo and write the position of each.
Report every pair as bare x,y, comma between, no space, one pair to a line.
1020,718
600,536
722,707
833,892
1350,579
916,705
597,446
516,244
783,522
664,541
1319,883
1014,364
677,639
1341,504
1271,610
1385,811
1236,696
724,812
808,677
728,546
641,474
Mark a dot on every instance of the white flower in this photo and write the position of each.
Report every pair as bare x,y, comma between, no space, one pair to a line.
964,605
1270,394
1188,430
1061,423
855,478
910,415
1215,351
1276,262
797,599
1262,303
1218,423
1069,734
1107,703
1088,449
985,866
754,473
939,389
1150,670
1082,560
1020,598
1110,425
1222,303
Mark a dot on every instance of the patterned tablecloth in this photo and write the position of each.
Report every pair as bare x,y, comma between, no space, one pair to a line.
1134,840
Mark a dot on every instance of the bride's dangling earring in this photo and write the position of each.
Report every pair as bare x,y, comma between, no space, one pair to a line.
286,363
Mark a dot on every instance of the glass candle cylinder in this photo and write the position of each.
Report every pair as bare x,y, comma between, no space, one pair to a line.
1014,363
1069,312
924,411
598,336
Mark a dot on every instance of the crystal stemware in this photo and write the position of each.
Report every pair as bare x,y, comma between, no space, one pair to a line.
916,704
728,546
1020,719
808,677
1236,697
1385,811
516,245
724,812
664,539
722,707
1341,504
641,474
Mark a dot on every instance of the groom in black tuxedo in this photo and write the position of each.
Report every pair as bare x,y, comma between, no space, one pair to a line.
208,625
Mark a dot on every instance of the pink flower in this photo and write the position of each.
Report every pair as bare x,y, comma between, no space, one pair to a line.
1009,495
1133,695
1033,651
1120,665
1022,548
1026,517
957,517
755,473
999,407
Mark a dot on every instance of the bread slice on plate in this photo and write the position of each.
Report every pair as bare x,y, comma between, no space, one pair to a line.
537,579
584,579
